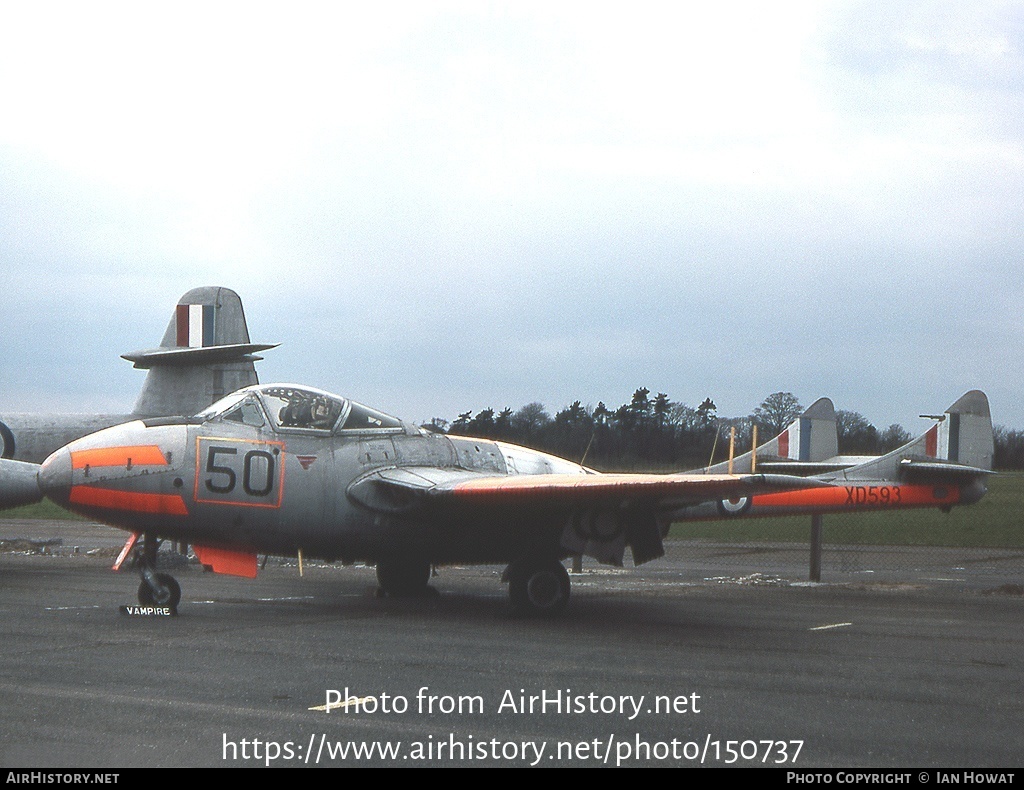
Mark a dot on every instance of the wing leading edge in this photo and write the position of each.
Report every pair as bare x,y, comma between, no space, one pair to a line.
414,486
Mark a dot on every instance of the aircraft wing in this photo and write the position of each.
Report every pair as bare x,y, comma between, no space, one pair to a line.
598,514
665,490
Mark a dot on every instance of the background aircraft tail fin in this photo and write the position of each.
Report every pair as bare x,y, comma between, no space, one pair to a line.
958,445
205,354
810,438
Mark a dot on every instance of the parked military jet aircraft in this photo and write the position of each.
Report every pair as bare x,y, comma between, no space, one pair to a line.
283,469
205,353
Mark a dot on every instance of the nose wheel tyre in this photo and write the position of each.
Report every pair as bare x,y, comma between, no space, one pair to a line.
167,594
538,587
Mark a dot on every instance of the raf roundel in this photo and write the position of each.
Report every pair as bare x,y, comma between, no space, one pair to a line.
734,507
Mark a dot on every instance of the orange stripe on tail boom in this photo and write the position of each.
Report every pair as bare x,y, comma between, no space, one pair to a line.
857,496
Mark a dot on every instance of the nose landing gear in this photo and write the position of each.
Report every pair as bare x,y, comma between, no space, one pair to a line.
159,589
155,589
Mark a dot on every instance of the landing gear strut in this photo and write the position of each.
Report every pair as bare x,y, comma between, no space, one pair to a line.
156,589
538,586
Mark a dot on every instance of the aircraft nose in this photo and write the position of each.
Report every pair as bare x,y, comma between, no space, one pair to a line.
112,466
55,476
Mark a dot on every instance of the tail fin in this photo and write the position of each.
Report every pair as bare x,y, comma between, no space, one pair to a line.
959,445
205,354
964,436
809,439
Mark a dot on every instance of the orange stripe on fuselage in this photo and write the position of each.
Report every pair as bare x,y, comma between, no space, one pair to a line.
856,496
139,455
168,504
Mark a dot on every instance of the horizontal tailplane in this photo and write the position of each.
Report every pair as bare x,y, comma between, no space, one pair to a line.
959,445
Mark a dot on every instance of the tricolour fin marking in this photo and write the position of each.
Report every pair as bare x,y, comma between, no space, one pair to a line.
195,325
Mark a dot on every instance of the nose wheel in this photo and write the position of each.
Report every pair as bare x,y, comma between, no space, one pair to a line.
163,591
155,589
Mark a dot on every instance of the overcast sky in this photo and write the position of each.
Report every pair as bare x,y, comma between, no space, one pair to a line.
440,207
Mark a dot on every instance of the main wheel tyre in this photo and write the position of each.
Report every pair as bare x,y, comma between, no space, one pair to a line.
169,594
403,576
539,587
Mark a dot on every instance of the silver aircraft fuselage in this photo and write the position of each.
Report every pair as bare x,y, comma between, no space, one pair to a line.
278,490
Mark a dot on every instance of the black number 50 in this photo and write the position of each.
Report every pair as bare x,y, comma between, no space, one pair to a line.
264,468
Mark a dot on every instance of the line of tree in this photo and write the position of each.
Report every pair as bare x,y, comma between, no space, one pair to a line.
656,432
1009,450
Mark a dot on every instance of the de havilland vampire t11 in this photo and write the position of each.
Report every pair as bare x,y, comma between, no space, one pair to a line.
290,470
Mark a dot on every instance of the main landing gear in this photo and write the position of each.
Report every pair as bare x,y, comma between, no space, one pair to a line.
404,577
155,589
537,586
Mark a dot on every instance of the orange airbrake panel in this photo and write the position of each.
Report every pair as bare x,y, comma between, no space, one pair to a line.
231,563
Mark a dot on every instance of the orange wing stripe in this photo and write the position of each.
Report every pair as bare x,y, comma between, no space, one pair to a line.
138,455
169,504
584,484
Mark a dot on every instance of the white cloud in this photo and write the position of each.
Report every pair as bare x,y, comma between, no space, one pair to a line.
793,181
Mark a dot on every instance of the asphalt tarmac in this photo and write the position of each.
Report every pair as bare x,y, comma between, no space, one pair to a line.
711,656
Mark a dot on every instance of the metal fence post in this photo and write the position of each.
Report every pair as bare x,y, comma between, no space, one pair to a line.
816,547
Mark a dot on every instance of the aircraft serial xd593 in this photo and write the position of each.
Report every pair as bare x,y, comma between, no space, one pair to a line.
285,469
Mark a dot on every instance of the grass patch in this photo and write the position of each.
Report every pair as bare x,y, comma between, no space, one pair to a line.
997,521
45,509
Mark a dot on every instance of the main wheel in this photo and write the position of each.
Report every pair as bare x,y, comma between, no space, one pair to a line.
403,576
168,595
538,587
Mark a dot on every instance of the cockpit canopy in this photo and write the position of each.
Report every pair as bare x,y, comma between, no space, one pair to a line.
289,407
